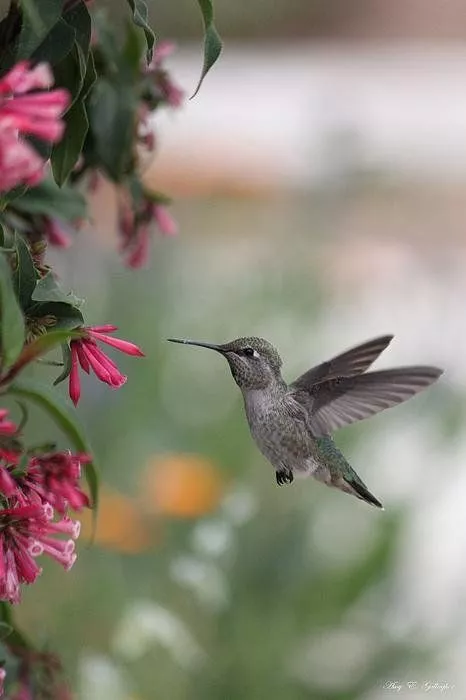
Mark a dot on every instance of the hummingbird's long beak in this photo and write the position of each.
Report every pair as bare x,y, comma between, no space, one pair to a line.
210,346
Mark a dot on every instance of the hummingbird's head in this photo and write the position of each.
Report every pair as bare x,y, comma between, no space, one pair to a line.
254,362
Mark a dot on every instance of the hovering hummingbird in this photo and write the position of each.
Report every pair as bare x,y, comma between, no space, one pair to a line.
292,424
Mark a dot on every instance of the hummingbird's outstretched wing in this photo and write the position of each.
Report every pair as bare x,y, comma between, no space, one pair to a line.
344,400
347,364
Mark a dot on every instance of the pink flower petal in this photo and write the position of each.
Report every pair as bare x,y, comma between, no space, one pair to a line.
164,220
122,345
96,363
74,381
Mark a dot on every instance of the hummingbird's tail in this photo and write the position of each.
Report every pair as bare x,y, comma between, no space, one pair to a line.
354,485
337,472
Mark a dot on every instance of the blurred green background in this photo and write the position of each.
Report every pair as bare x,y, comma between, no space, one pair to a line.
206,580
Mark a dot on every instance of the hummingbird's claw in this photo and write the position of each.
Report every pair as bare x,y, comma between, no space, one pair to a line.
284,476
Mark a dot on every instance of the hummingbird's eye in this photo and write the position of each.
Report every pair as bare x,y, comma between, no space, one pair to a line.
250,352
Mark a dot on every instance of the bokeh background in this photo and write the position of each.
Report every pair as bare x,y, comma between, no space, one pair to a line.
319,181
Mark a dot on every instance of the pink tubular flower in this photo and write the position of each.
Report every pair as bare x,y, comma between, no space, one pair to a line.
139,254
135,228
53,478
27,531
164,220
38,114
2,680
86,353
7,427
163,50
166,90
56,233
8,486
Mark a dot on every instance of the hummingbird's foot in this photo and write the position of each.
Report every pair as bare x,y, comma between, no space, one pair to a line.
284,476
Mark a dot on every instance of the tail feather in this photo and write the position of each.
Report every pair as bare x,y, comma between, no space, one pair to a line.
337,472
360,490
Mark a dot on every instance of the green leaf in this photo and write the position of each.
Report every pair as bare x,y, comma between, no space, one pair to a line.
212,41
12,321
141,19
5,630
48,199
66,152
40,346
7,197
89,78
132,51
66,352
25,276
10,27
80,20
67,316
24,417
47,289
70,71
112,110
32,15
16,638
38,20
65,419
57,44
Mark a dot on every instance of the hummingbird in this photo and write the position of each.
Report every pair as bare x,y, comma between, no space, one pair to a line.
292,424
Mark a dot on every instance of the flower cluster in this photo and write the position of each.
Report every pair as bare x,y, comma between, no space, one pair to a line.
85,353
32,488
24,111
161,88
138,214
135,228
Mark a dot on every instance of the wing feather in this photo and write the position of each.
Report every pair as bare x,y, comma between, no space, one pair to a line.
347,364
340,402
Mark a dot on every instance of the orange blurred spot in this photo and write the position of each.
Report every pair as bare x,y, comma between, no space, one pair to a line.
181,485
120,525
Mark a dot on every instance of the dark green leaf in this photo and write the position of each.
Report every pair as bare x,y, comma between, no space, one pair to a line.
12,321
50,200
70,71
25,276
112,122
38,20
57,44
7,240
212,41
108,50
7,197
90,77
65,419
5,630
80,20
43,148
32,15
40,346
132,50
16,638
10,27
66,364
67,316
141,19
66,153
24,416
47,289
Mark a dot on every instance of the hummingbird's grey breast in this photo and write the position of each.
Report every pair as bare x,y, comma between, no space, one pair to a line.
279,428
